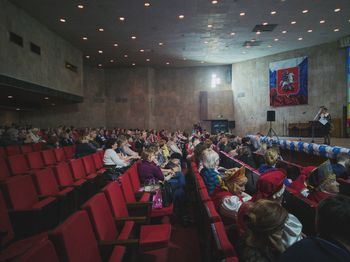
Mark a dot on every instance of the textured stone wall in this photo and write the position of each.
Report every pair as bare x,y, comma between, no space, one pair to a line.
326,82
48,69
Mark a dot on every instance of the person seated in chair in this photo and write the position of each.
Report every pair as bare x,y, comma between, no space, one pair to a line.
210,173
111,158
342,168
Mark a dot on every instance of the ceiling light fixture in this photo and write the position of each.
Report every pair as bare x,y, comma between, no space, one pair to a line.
265,23
147,60
322,21
309,31
18,109
46,98
133,64
121,18
214,2
300,38
269,46
87,56
63,20
112,61
305,11
141,50
276,39
167,63
181,16
273,12
210,26
202,62
10,97
115,44
336,10
293,22
242,14
85,38
284,31
147,4
133,37
206,42
99,65
258,33
232,33
160,44
125,56
184,58
336,30
100,51
80,6
101,29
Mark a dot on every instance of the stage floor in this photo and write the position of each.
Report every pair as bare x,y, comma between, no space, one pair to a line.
342,142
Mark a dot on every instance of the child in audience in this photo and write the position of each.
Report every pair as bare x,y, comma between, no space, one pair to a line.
271,157
333,241
265,222
322,183
210,171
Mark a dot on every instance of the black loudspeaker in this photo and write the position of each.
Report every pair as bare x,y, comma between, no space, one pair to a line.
231,124
271,115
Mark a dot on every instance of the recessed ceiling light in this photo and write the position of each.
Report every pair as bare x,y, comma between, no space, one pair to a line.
253,40
133,64
85,38
115,44
63,20
276,39
101,29
87,56
80,6
181,16
232,33
99,65
125,56
322,21
141,50
18,109
300,38
206,42
46,98
305,11
309,31
337,10
265,23
202,62
53,104
293,22
10,97
133,37
112,61
258,33
210,26
247,46
273,12
147,4
242,14
148,59
122,18
269,46
336,30
167,63
100,51
284,31
160,44
184,58
214,2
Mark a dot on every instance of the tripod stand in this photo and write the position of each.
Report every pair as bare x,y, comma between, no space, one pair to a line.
272,132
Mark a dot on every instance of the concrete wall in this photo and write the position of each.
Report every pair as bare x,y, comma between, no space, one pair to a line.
48,69
326,82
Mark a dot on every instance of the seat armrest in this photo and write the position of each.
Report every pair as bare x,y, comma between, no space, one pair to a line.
139,219
126,242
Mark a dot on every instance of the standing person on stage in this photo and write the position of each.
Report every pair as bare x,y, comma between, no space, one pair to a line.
325,119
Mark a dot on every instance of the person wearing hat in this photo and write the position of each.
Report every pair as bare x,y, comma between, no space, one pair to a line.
271,186
299,185
322,183
325,120
230,196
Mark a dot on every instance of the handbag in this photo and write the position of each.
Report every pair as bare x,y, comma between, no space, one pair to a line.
157,200
167,193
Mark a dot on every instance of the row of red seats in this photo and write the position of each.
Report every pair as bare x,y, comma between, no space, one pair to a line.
74,239
12,150
216,245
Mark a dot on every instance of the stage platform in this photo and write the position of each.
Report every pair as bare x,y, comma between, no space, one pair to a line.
341,142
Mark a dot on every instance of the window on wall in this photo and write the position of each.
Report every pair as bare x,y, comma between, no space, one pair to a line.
16,39
215,81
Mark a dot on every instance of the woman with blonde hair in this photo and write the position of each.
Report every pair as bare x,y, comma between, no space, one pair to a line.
210,173
271,156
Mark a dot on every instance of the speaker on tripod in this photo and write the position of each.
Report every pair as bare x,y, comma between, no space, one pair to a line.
271,117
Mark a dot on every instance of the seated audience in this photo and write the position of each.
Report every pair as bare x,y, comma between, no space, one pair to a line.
84,147
148,170
230,196
322,183
210,171
265,222
111,158
333,240
245,155
271,157
342,168
299,185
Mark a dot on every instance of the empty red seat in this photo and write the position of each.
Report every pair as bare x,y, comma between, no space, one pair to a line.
59,155
89,165
38,146
98,162
26,148
4,170
134,177
35,160
151,236
3,152
78,170
43,251
12,150
75,241
49,157
69,151
28,214
19,165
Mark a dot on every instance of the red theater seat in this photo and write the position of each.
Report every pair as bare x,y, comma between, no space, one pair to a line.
49,157
38,146
98,162
69,151
35,160
75,241
222,247
26,148
4,170
128,190
2,152
19,165
43,251
212,214
78,170
13,150
59,155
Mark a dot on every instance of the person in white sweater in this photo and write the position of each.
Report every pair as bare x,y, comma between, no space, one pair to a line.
111,158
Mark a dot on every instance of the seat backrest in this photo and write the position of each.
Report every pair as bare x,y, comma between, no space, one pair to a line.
4,170
26,148
63,174
212,214
97,160
88,164
59,154
223,247
77,168
5,223
12,150
18,164
204,194
20,193
48,157
101,217
74,239
3,152
69,152
134,177
35,160
45,182
37,146
127,188
43,251
116,200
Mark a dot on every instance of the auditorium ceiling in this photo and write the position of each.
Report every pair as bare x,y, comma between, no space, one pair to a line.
114,33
